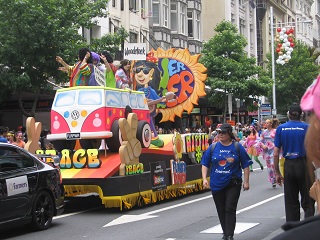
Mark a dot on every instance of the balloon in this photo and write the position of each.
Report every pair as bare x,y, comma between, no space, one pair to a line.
278,49
280,53
290,39
283,29
291,30
278,29
281,37
292,44
279,45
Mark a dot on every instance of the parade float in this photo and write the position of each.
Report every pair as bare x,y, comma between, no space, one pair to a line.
106,140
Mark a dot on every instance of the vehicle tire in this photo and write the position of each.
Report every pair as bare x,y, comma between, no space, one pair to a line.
59,145
90,143
144,134
115,141
42,211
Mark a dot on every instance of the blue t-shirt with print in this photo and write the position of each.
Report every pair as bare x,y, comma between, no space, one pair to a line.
225,163
290,136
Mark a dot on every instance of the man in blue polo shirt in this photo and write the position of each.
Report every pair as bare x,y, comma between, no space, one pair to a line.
290,138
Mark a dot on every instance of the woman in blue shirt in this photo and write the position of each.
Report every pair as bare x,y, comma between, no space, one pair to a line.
226,162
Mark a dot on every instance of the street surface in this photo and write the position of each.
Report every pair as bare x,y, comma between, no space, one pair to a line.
259,217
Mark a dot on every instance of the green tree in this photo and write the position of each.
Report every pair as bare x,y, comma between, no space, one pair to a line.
293,78
34,32
230,70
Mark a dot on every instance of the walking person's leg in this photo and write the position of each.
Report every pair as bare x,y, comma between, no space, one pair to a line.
291,191
307,203
258,161
250,167
220,202
232,198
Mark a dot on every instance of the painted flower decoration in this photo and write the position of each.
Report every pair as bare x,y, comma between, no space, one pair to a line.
177,146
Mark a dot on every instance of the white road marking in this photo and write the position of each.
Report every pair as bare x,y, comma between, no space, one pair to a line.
143,216
240,227
260,203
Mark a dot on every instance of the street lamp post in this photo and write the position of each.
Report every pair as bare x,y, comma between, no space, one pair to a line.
274,110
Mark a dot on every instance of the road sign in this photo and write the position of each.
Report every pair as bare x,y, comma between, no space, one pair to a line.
265,109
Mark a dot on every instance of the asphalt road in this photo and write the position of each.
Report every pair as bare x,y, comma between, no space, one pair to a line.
260,215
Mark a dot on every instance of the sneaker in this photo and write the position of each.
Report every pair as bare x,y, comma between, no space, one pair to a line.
261,166
251,170
274,185
157,142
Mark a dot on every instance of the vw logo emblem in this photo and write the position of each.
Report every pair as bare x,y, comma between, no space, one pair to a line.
75,115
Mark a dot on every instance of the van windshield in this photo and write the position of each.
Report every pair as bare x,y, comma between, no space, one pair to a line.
65,99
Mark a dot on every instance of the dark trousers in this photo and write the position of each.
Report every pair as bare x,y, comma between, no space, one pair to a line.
226,201
297,180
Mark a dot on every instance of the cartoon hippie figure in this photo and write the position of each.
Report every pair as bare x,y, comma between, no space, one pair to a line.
147,76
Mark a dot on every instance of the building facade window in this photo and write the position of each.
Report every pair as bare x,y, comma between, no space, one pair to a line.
155,12
318,7
174,17
242,26
143,6
132,5
233,20
133,37
114,3
190,24
183,10
165,13
198,27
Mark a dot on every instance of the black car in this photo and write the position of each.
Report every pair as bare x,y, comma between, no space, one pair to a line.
31,191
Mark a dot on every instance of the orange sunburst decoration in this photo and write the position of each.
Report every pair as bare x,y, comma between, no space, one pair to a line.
182,74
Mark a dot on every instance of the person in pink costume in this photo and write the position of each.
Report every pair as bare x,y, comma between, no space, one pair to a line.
267,141
251,146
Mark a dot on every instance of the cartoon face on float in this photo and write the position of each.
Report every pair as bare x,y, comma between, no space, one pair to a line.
143,75
176,71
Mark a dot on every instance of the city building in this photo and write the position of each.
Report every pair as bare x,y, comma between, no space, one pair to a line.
189,23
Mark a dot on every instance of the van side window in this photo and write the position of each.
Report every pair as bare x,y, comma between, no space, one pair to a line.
90,97
141,101
113,99
125,99
133,100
